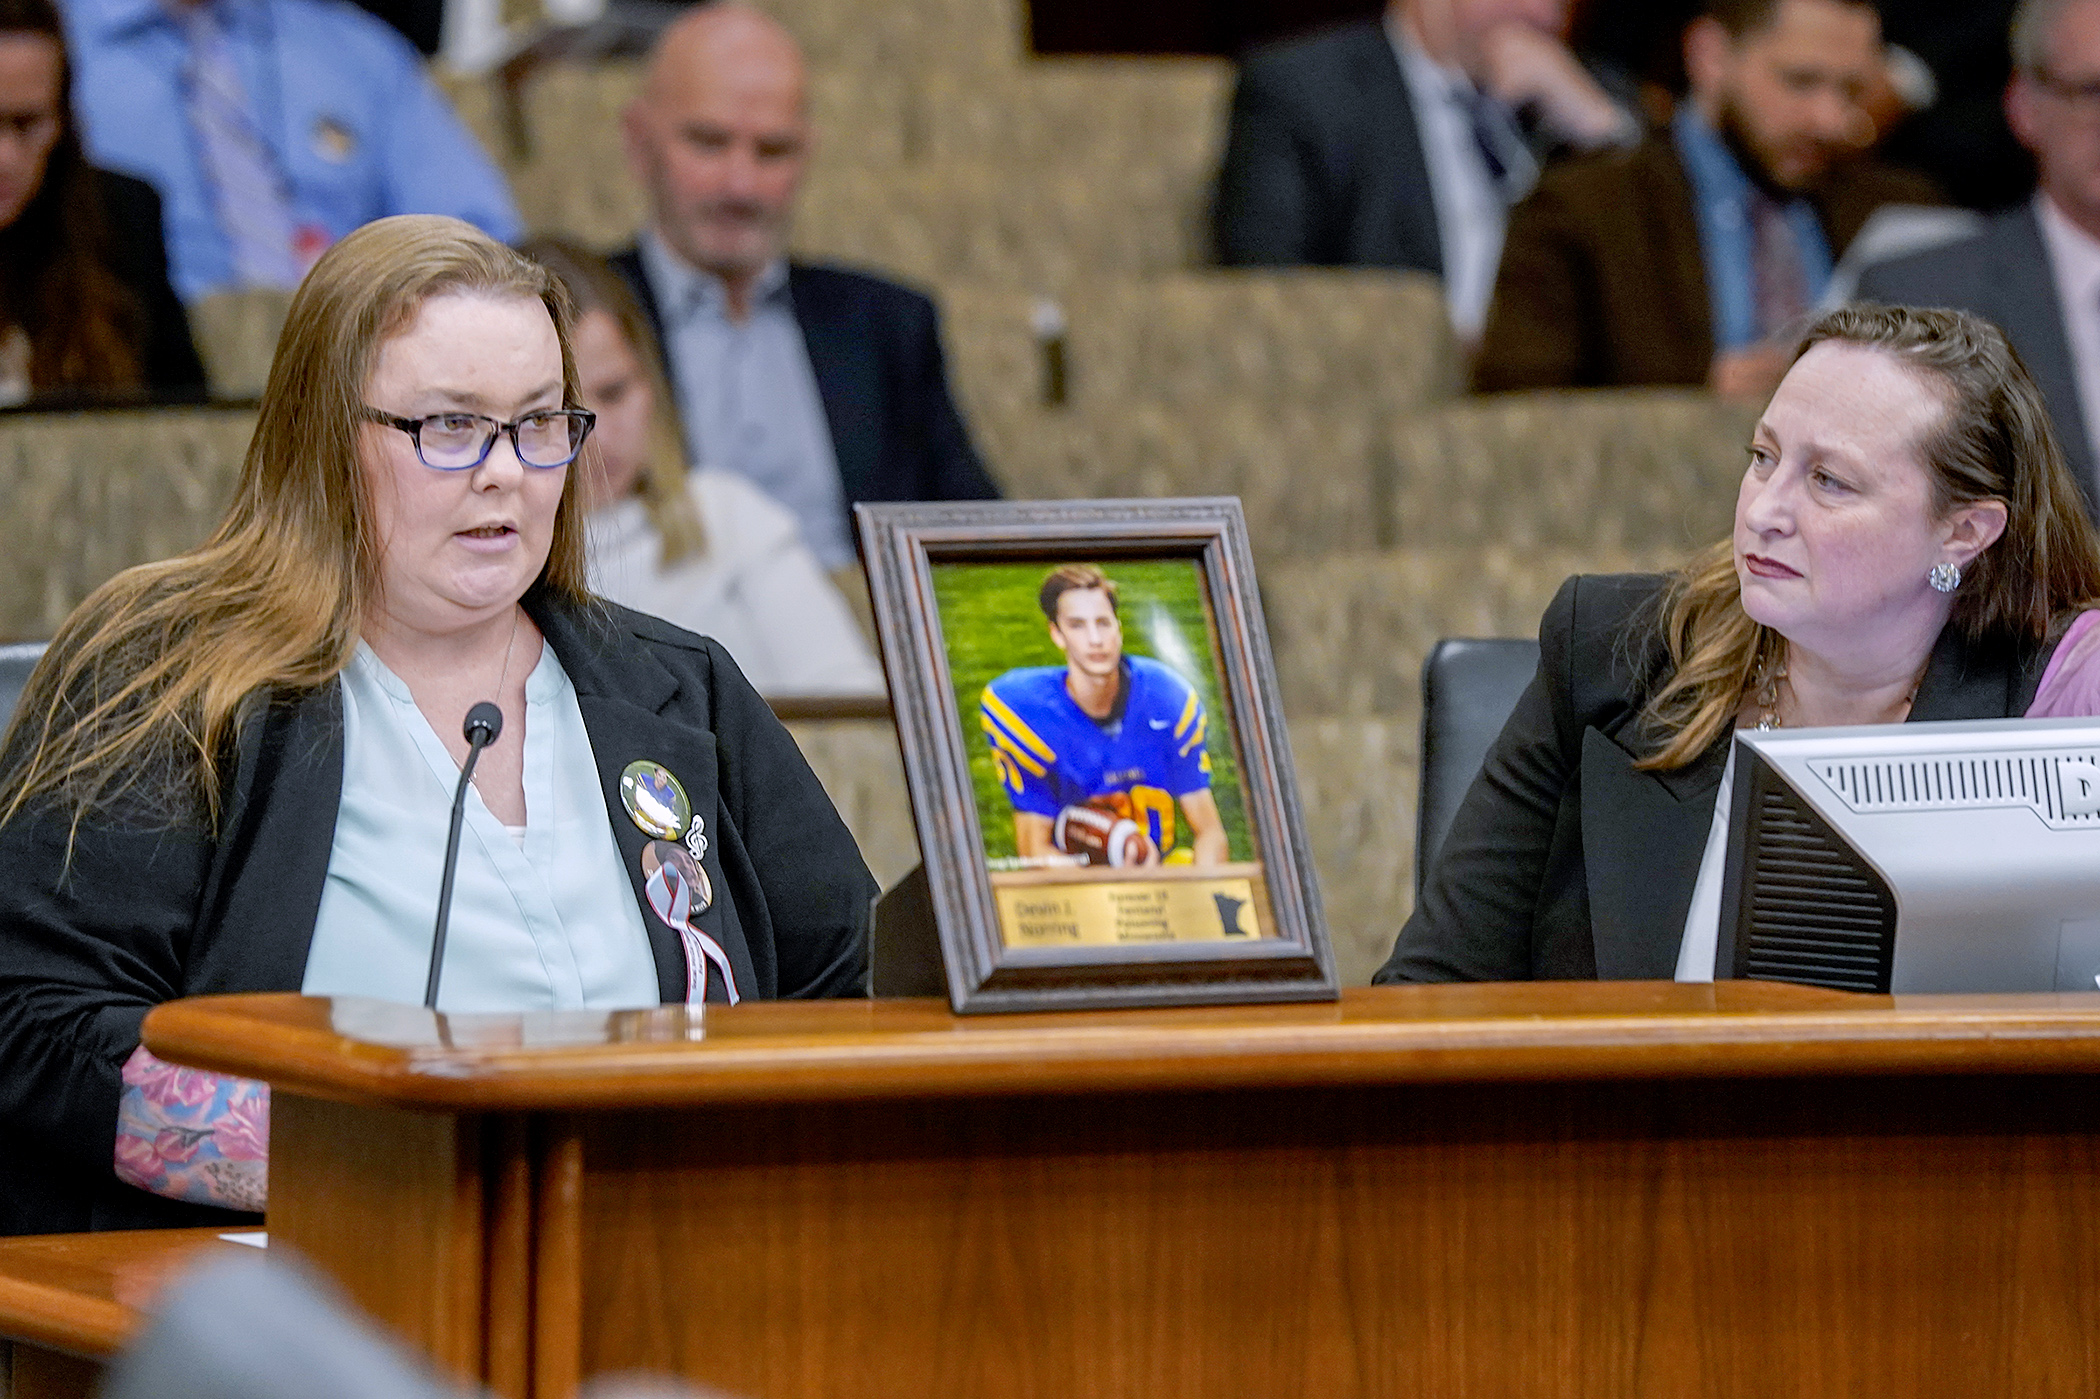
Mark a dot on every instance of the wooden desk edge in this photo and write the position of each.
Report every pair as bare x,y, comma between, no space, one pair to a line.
41,1314
984,1059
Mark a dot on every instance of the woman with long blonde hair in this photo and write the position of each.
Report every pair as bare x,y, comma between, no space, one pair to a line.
233,771
1908,545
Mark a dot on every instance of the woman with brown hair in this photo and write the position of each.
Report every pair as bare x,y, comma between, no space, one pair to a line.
86,312
703,548
1908,545
234,770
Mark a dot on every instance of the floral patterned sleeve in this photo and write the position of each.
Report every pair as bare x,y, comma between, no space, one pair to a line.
192,1135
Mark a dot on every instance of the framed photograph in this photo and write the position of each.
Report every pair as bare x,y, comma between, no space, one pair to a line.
1098,765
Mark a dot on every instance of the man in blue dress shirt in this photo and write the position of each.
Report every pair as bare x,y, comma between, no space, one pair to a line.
1103,740
822,386
271,128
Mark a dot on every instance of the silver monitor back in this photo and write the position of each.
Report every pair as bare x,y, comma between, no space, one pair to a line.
1916,857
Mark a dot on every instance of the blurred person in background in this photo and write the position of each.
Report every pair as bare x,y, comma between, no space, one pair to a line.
86,313
1693,258
704,549
1404,141
2035,269
272,128
822,387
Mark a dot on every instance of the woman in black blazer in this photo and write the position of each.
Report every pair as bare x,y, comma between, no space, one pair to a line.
1908,545
192,796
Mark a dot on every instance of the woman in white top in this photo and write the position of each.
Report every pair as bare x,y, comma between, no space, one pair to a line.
705,549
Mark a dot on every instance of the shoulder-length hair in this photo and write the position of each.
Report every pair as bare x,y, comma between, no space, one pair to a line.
664,486
1994,442
144,684
86,329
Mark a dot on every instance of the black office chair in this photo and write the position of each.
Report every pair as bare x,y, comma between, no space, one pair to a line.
1469,687
15,664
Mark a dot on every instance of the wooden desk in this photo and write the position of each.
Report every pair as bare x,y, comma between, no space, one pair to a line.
69,1301
1577,1189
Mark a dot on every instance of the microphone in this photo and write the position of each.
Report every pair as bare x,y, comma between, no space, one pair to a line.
484,724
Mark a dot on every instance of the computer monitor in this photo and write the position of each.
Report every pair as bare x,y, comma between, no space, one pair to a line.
1916,857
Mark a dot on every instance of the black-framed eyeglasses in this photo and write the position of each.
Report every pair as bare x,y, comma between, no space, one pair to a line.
461,441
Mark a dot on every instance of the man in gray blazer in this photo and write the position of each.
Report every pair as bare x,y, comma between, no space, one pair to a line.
1402,141
2035,268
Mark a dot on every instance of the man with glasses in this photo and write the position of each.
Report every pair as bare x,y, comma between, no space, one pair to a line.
2035,268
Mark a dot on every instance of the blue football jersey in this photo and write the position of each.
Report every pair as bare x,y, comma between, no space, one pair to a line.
1050,754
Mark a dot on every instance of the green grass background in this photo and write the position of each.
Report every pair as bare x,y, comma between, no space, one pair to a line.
991,624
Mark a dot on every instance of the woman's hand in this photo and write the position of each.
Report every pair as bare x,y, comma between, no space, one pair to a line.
192,1135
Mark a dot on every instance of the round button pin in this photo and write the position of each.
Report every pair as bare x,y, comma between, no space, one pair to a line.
678,888
654,800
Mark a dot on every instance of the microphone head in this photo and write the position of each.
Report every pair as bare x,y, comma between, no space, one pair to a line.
484,724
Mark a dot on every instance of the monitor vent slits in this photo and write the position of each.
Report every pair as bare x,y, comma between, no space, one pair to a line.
1956,782
1818,915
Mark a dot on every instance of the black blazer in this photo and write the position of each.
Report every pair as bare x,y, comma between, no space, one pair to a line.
151,912
876,350
138,255
2003,275
1564,862
1323,161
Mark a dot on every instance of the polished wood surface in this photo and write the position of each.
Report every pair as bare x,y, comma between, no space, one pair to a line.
1772,1238
775,1051
82,1293
1556,1190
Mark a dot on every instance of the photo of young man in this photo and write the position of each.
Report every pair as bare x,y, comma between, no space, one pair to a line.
1104,759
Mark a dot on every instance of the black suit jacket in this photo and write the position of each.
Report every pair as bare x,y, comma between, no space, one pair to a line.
138,255
1564,862
1323,162
2003,275
876,350
149,912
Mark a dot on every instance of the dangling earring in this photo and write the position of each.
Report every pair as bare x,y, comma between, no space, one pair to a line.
1944,577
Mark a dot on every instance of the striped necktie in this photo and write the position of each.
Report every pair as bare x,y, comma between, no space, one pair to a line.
247,190
1777,265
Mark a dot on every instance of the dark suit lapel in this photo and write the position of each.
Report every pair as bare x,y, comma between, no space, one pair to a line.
624,704
1396,177
849,380
2024,294
1643,835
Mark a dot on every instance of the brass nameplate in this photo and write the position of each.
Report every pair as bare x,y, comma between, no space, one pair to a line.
1043,914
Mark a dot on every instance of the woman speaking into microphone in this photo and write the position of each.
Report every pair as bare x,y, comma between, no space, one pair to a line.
234,770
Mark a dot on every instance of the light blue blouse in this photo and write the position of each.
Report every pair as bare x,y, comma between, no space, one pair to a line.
543,922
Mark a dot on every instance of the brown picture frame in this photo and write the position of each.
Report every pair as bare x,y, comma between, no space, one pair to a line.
903,543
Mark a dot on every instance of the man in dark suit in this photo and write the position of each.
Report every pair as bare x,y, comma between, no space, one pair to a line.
1401,142
824,387
1692,258
2035,269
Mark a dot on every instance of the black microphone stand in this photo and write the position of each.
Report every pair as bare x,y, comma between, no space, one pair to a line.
484,724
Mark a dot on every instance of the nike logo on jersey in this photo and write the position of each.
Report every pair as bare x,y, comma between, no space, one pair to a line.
1160,723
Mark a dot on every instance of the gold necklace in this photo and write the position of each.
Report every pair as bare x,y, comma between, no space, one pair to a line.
1767,696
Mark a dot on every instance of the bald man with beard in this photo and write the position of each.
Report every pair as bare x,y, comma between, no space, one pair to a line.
821,385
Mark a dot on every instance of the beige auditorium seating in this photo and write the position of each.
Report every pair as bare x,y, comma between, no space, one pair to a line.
1040,230
236,333
1105,113
1354,341
1312,481
90,494
923,35
1615,469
